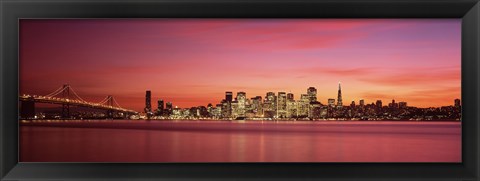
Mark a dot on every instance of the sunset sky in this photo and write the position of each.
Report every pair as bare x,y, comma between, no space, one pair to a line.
192,62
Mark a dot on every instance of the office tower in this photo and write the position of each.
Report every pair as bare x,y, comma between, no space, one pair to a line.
352,105
292,108
228,96
402,105
290,97
339,98
169,108
270,105
235,112
226,109
362,103
303,105
256,106
282,105
312,94
331,102
160,107
148,102
457,103
241,99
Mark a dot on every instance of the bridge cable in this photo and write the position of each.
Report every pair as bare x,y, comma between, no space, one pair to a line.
103,101
76,94
56,92
116,103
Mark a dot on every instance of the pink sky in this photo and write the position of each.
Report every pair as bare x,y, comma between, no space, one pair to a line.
192,62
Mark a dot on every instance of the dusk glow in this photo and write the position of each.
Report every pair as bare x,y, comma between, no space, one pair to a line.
192,62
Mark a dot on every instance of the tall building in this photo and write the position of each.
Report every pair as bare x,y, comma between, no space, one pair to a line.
290,97
226,109
352,105
235,111
339,98
228,96
457,103
169,108
312,94
241,99
331,102
303,105
282,105
402,105
292,108
160,107
256,106
362,103
148,101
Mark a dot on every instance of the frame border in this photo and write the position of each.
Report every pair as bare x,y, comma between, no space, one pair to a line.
12,10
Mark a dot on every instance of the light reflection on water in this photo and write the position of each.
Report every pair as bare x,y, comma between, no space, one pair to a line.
230,141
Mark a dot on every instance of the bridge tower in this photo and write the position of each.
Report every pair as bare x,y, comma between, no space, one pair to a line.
110,103
66,106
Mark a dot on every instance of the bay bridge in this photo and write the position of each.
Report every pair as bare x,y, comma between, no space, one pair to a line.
66,97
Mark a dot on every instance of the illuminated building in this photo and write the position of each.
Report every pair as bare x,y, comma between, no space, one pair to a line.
312,94
177,113
290,97
241,101
217,112
292,108
270,105
148,102
303,105
160,107
226,111
210,109
331,102
339,98
282,105
235,109
169,108
257,108
228,96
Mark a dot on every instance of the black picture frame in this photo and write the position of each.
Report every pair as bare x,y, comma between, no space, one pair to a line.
12,10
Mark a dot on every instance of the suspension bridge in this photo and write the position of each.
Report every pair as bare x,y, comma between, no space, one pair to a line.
66,96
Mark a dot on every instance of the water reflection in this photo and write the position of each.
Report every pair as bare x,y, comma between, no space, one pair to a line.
216,141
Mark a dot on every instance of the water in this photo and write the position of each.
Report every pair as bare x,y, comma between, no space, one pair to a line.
231,141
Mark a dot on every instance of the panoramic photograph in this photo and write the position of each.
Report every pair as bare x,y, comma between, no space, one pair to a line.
240,90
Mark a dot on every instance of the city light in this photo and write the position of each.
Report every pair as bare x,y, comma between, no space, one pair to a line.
281,106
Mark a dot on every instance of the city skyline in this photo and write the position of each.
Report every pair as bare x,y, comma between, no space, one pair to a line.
154,99
282,105
192,62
